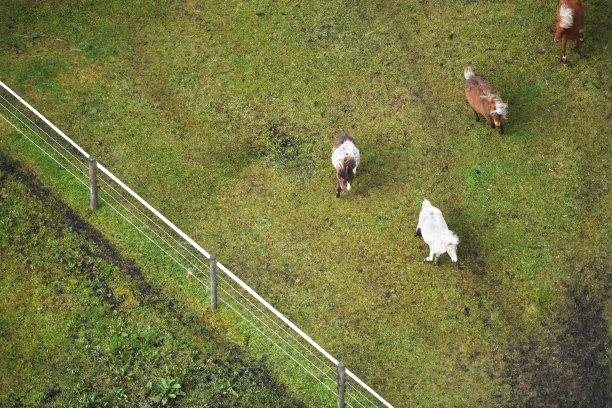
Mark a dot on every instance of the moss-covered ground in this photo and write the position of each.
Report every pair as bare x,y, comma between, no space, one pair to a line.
238,104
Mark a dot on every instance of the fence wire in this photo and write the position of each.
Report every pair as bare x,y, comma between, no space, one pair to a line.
27,123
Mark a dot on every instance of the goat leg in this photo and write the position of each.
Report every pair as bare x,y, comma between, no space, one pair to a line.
476,115
578,50
430,257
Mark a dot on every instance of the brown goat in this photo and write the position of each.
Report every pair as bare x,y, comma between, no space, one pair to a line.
570,18
484,100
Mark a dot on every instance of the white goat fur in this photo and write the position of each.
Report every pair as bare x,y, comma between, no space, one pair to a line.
436,234
501,108
347,148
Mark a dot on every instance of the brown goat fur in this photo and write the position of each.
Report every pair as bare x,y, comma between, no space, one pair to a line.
342,137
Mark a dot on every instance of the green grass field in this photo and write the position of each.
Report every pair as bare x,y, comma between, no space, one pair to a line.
238,105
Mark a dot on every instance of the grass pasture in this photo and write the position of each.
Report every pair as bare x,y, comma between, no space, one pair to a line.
237,105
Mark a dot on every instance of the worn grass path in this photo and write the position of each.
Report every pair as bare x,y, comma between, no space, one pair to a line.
222,115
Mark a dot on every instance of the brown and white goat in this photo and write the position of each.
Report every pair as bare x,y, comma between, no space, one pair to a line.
345,158
570,18
484,100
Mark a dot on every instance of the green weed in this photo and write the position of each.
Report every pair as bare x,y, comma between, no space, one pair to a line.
167,389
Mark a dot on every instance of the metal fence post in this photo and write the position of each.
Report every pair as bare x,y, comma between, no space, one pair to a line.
93,183
341,383
213,282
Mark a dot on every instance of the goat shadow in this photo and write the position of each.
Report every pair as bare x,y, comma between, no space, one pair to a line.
378,168
370,174
470,245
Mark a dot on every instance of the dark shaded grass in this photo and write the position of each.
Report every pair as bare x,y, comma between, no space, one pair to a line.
75,310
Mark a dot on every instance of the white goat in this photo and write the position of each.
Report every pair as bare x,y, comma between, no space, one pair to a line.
436,234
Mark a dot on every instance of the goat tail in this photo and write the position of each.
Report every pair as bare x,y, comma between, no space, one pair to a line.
454,238
566,16
449,237
468,73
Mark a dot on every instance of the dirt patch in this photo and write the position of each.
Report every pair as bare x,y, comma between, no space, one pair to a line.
51,394
566,364
275,141
282,144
